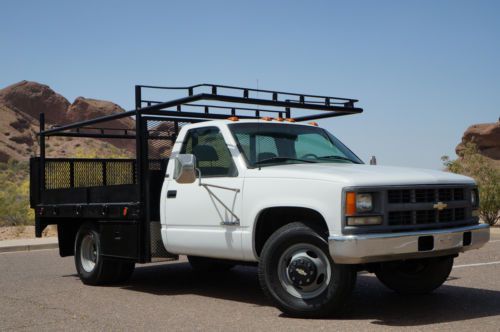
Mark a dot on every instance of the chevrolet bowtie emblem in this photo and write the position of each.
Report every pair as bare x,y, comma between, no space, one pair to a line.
440,206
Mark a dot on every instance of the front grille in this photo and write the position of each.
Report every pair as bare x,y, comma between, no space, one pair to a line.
425,217
400,218
425,195
421,217
458,194
445,195
460,214
399,196
416,207
445,215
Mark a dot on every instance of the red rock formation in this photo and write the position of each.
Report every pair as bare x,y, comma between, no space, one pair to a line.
32,98
487,138
20,106
86,108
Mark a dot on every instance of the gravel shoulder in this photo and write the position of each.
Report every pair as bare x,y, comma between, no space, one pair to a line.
24,232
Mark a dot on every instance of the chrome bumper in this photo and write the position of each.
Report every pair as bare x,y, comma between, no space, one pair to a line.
371,248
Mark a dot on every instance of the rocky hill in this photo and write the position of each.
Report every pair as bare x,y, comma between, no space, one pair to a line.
20,105
487,138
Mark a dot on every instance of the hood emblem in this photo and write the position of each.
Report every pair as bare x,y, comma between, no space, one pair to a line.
440,206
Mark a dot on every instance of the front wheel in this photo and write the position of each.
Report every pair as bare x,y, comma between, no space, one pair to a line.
415,276
297,273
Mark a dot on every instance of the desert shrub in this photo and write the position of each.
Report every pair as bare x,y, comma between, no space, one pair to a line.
487,176
14,194
105,151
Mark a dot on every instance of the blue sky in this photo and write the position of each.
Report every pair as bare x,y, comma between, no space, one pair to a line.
423,70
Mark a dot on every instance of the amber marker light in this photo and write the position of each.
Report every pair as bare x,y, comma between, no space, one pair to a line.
290,120
233,118
280,119
350,204
267,118
313,124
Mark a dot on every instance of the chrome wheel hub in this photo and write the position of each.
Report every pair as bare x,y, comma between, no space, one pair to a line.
88,252
304,271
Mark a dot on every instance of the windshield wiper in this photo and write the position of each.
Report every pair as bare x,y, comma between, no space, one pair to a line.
277,159
338,158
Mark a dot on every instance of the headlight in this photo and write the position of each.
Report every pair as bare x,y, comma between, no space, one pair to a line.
358,203
474,198
364,202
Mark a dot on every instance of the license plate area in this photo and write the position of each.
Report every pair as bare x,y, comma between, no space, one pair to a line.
426,243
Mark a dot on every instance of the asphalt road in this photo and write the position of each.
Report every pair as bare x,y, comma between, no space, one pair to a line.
40,291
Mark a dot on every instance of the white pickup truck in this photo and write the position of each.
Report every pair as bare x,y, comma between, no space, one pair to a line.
287,196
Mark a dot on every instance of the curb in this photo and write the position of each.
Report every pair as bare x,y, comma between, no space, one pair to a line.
28,247
494,229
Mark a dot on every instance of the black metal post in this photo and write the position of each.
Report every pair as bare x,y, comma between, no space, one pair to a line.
138,97
42,156
142,162
41,186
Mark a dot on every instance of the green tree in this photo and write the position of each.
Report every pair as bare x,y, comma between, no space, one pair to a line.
472,163
14,194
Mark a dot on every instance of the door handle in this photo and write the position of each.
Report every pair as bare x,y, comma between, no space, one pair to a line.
172,194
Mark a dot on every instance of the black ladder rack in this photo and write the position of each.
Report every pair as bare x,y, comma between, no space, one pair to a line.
282,102
227,100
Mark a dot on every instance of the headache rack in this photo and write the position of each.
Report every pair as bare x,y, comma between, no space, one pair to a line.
127,190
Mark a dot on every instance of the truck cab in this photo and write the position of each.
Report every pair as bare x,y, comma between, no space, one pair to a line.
278,192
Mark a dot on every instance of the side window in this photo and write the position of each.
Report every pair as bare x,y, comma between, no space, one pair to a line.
212,155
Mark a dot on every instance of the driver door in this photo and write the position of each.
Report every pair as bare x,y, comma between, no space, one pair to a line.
203,220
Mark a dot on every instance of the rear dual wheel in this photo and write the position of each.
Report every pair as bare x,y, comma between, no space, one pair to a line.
92,268
297,273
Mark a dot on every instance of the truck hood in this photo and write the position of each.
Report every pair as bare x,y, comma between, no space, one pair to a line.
359,175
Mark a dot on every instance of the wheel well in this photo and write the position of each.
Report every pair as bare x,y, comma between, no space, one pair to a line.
66,234
271,219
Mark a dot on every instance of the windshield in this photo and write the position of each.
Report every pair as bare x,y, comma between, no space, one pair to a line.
271,143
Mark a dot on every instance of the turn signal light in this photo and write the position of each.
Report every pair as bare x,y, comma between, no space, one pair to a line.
350,203
233,118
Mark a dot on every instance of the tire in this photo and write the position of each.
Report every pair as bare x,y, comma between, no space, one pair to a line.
205,264
319,287
92,268
416,276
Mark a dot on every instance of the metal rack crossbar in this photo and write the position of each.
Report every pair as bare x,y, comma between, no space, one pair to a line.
232,98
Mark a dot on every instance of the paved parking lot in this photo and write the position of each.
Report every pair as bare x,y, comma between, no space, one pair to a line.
40,291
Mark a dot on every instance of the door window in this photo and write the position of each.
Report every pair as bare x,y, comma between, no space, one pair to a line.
212,155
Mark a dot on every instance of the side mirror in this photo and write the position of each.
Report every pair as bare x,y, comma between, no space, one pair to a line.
185,168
